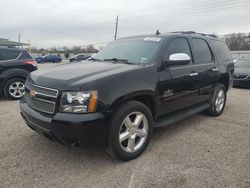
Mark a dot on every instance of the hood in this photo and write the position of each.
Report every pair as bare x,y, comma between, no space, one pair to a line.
241,70
71,76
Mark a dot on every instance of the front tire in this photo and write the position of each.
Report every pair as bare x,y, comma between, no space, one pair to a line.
14,88
131,130
218,100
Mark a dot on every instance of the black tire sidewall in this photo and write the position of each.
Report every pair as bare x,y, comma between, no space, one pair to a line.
116,121
7,85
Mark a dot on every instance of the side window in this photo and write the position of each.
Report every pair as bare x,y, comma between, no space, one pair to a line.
202,51
221,49
25,55
10,54
179,45
1,57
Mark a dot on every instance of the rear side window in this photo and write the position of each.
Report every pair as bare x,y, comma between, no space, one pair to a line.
202,50
26,55
1,57
179,45
221,49
9,54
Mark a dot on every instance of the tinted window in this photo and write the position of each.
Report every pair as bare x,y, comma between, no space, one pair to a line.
179,45
135,50
9,54
221,49
25,55
202,51
1,57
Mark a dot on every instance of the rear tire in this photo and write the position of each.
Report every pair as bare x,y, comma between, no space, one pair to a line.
130,131
218,100
14,88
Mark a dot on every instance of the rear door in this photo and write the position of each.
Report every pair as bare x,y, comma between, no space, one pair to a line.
206,66
1,63
178,85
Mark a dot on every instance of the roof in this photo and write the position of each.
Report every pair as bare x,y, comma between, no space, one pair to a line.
177,33
6,42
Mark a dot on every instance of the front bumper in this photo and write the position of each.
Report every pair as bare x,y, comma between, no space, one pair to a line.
241,83
64,128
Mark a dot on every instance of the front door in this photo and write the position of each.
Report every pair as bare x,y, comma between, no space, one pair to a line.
178,85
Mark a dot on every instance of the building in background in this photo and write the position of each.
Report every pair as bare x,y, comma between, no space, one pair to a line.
8,43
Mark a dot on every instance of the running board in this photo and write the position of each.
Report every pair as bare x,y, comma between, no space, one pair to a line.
182,114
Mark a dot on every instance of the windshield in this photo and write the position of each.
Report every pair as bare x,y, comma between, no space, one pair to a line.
134,50
243,63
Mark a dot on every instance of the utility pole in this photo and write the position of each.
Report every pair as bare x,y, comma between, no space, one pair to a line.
116,26
29,46
19,37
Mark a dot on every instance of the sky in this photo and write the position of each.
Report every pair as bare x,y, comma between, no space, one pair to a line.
57,23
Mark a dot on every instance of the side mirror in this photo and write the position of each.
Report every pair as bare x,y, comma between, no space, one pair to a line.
178,59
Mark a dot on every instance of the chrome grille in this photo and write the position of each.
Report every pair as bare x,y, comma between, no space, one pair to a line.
241,76
41,98
42,90
40,104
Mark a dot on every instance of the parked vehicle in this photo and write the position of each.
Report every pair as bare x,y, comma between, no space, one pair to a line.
49,58
131,86
242,73
78,57
15,65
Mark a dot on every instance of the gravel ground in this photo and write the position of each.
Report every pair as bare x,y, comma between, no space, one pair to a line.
200,151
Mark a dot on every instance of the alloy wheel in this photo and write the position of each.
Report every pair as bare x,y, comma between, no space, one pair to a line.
133,132
16,89
220,100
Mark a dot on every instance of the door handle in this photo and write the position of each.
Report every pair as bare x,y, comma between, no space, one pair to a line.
194,74
215,69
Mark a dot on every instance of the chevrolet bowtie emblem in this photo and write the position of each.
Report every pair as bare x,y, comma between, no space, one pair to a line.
32,93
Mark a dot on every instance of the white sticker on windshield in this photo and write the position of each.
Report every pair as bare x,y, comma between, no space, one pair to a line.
144,59
155,39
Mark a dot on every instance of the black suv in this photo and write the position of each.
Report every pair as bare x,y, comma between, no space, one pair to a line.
15,65
132,85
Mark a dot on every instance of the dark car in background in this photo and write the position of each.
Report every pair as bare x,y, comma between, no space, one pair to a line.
15,65
49,58
242,73
79,57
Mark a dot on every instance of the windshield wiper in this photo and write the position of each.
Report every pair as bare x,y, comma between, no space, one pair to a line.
119,60
93,59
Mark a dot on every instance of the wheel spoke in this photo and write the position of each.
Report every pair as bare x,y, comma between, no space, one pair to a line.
131,143
124,136
12,87
127,122
138,120
141,133
14,93
22,87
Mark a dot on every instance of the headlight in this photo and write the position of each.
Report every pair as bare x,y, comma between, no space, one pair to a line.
78,102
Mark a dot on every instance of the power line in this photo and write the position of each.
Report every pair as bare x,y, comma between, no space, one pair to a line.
192,11
165,14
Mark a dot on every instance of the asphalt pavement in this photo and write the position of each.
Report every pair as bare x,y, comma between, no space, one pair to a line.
200,151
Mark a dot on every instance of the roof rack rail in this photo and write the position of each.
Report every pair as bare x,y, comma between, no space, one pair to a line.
192,32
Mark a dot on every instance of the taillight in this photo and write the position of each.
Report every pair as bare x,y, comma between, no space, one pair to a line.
30,62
